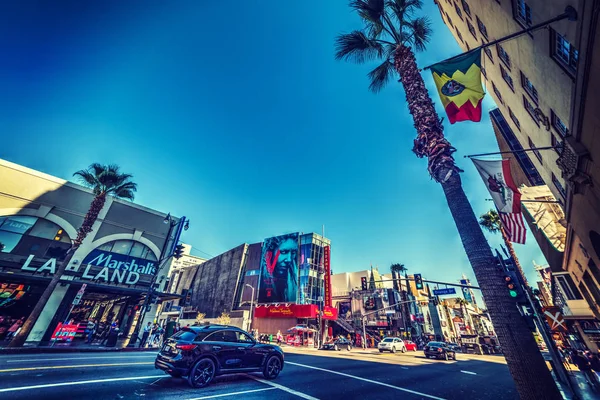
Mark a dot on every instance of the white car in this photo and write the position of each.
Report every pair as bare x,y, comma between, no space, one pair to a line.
392,345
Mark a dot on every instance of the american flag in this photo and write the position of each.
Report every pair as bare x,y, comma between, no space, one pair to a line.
514,226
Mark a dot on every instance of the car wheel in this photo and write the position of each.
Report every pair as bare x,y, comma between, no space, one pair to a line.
335,347
394,349
404,349
202,373
272,367
381,351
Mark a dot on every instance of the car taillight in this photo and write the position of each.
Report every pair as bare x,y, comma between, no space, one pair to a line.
439,350
186,347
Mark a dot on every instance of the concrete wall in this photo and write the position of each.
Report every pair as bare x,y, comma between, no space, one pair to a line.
215,282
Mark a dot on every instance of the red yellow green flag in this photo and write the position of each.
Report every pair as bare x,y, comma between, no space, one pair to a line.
458,82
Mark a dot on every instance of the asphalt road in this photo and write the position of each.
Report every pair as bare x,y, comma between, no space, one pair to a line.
307,374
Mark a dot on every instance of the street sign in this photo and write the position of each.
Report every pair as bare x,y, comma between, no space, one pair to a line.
79,295
555,319
441,292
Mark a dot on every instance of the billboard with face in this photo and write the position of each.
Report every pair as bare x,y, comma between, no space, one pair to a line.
279,270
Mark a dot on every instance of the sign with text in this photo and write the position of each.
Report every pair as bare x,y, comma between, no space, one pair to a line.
442,292
327,277
65,332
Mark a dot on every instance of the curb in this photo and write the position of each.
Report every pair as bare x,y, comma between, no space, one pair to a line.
50,350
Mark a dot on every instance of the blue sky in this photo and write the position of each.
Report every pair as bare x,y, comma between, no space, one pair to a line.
241,119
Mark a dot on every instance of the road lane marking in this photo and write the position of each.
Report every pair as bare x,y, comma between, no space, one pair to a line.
73,358
49,385
368,380
233,394
74,366
284,388
468,372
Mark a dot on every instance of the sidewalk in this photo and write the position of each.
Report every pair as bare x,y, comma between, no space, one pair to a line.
64,348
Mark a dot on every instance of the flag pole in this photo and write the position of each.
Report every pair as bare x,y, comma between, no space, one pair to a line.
570,14
512,151
534,201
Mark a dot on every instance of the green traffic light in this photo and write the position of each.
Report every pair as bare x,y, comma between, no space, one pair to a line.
513,293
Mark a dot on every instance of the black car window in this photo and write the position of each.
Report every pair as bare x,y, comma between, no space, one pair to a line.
215,337
243,338
186,336
229,336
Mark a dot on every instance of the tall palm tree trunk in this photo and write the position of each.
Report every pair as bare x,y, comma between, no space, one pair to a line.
526,364
86,227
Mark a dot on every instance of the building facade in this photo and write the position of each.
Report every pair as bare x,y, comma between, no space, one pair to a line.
39,217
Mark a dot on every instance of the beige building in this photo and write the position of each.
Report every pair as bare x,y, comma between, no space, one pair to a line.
39,217
546,87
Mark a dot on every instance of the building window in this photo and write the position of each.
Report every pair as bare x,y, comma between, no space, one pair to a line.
536,152
556,143
471,29
523,13
488,52
558,186
459,35
25,235
563,52
458,11
514,118
497,92
449,20
507,78
530,109
529,88
466,7
568,287
560,126
503,55
482,28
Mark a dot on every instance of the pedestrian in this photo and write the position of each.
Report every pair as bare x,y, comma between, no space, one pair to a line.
279,337
170,328
90,330
147,330
583,364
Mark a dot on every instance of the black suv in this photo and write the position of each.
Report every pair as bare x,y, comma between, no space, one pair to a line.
202,352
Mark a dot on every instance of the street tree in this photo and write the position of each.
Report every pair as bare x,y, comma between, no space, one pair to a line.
490,221
224,319
392,33
200,317
104,180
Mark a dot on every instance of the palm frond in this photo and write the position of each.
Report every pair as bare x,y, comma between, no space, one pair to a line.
357,47
403,9
380,76
420,32
86,177
124,194
490,221
369,10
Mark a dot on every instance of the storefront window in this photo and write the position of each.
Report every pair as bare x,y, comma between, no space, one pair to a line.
129,248
21,234
122,247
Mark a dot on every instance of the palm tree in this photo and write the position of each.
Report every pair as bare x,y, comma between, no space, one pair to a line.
391,34
397,270
490,221
105,180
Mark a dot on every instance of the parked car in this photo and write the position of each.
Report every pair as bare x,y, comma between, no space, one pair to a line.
202,352
410,345
338,344
391,344
439,350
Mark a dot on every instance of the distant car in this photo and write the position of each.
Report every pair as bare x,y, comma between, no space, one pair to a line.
338,344
454,347
202,352
410,346
392,345
439,350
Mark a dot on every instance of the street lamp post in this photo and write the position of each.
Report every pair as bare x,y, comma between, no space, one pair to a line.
251,306
165,254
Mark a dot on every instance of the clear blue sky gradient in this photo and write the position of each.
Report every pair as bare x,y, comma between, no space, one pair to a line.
237,116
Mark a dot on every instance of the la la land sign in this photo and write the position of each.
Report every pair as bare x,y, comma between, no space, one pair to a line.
112,270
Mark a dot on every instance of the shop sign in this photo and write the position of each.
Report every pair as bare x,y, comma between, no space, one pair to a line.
555,319
327,277
330,313
67,332
275,312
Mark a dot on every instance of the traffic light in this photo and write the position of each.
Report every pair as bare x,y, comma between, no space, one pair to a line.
511,285
178,252
363,282
418,281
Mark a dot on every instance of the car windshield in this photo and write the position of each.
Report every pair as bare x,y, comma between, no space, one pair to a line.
388,340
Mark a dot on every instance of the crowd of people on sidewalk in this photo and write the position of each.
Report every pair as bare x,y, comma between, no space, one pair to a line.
586,361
